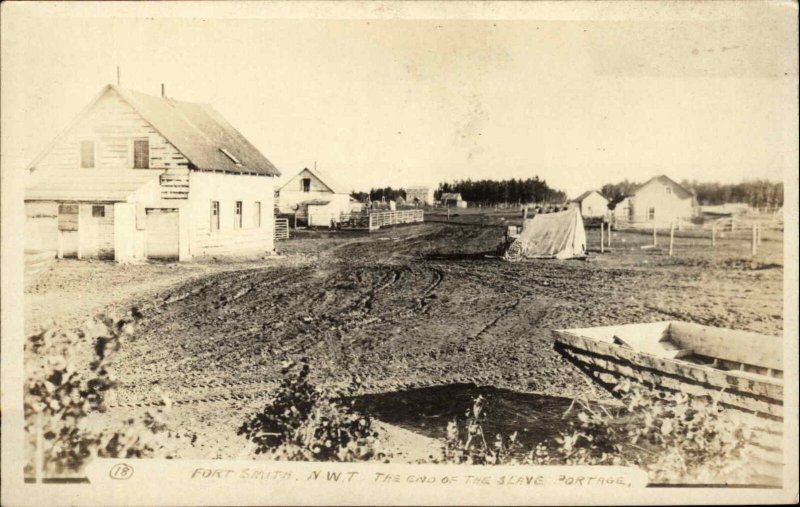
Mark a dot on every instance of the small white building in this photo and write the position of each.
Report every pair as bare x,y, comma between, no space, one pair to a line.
419,196
662,201
137,176
453,200
315,199
591,204
621,209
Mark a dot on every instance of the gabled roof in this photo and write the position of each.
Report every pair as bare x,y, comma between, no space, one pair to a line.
586,194
326,180
196,130
663,178
451,196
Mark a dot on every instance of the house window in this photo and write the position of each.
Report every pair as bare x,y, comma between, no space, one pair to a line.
257,214
651,214
68,217
87,154
305,184
668,190
237,215
214,216
98,211
141,154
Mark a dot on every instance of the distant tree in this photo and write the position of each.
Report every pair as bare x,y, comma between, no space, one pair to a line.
513,191
360,196
616,191
760,194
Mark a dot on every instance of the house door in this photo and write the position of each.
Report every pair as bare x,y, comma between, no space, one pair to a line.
68,229
162,234
90,229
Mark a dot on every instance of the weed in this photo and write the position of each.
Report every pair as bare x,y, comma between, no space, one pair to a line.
304,423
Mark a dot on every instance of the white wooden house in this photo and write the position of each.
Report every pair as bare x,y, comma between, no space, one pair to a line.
662,201
137,176
315,199
591,204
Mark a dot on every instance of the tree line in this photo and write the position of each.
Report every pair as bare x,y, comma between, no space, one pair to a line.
512,191
760,194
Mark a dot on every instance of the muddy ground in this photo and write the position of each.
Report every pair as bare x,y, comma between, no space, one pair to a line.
403,308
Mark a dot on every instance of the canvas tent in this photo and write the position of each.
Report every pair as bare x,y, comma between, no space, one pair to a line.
551,235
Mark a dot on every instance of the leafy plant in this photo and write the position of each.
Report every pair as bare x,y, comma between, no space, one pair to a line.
674,437
304,423
468,445
60,396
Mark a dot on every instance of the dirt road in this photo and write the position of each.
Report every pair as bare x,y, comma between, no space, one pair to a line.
423,305
398,309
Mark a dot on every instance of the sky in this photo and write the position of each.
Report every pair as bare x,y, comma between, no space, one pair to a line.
579,98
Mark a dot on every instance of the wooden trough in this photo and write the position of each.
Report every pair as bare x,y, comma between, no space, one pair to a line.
742,370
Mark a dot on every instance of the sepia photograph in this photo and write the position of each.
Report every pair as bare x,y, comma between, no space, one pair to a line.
399,252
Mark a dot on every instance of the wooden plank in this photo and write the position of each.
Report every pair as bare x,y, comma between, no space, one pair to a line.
767,386
733,345
731,398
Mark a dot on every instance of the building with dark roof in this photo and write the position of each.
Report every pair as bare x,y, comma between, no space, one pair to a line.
137,176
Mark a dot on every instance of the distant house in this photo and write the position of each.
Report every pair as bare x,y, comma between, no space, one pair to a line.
137,176
663,201
591,204
453,200
419,196
620,209
314,198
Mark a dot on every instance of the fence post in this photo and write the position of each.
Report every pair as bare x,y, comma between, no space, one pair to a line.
671,237
755,244
602,239
609,234
448,213
655,237
760,232
714,234
369,221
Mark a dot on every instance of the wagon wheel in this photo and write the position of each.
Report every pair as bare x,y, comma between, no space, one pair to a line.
514,252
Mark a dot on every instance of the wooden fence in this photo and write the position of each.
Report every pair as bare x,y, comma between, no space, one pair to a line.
281,228
388,218
374,220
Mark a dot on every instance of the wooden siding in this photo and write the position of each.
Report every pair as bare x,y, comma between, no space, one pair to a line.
227,189
113,125
97,233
